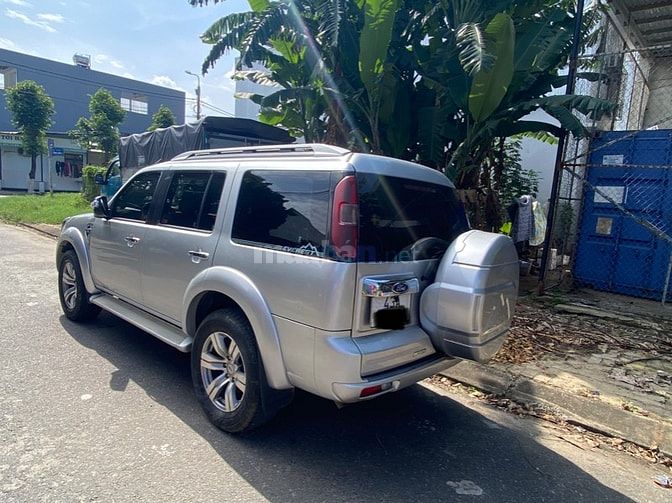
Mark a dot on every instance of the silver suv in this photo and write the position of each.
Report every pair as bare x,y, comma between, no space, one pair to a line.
304,266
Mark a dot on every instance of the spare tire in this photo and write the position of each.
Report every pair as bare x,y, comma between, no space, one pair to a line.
467,311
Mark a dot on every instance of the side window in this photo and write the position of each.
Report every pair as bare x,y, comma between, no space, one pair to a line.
134,200
192,200
285,210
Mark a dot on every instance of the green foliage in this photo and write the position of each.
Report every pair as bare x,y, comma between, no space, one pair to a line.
489,86
440,83
162,118
31,109
515,181
101,129
89,187
44,209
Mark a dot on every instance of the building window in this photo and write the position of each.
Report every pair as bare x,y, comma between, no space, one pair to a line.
7,77
135,103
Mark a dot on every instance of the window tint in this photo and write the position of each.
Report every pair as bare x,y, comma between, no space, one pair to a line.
134,200
397,213
185,204
285,210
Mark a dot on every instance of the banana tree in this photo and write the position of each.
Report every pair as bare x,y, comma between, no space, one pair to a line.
439,82
496,68
330,61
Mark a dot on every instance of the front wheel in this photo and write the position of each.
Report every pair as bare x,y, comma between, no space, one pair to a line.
71,290
227,373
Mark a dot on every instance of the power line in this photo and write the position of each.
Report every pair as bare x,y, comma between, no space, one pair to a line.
89,81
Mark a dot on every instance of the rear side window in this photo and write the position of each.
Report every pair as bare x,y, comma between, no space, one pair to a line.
192,200
284,210
399,217
134,200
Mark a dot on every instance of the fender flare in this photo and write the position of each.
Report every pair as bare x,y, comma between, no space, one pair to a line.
239,288
74,238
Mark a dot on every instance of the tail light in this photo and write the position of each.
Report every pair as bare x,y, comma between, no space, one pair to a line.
345,218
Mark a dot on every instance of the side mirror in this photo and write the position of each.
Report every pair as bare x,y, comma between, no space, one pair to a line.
100,209
99,179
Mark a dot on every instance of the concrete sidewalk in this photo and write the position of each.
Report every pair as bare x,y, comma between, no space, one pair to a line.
622,387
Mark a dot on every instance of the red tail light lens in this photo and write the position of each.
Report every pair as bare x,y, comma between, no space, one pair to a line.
345,218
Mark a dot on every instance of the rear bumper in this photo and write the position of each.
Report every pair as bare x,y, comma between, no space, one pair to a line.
393,380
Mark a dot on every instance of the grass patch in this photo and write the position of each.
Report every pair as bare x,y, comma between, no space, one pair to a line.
43,209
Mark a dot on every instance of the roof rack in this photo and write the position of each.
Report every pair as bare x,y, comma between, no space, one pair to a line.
303,149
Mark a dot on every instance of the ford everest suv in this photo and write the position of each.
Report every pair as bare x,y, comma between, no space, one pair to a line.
303,266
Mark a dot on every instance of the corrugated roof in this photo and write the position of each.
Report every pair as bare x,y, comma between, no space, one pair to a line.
649,20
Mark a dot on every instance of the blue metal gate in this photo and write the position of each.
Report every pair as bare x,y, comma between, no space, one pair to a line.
625,227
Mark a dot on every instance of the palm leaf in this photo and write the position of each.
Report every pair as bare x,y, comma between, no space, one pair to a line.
330,14
256,76
226,26
490,86
567,120
268,24
473,55
375,41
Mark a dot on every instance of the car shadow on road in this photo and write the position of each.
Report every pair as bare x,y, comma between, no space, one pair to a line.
413,445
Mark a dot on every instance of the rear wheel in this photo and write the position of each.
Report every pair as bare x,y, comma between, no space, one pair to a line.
228,375
71,290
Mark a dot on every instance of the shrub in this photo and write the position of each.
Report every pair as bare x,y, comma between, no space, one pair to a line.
89,187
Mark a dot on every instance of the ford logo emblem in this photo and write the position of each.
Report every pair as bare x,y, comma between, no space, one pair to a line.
400,287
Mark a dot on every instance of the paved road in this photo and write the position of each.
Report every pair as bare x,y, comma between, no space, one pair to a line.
103,412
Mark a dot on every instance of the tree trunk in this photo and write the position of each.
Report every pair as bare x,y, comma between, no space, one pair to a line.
33,167
31,174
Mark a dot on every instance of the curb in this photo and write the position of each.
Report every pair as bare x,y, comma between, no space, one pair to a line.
44,232
593,414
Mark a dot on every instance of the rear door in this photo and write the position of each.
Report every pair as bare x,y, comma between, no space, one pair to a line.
116,243
183,242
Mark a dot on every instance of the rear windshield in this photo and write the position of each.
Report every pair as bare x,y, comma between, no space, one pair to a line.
402,219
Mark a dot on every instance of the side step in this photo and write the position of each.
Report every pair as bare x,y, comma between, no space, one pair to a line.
160,329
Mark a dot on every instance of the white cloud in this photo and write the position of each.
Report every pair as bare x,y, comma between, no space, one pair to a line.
5,43
104,59
165,81
43,25
19,3
51,18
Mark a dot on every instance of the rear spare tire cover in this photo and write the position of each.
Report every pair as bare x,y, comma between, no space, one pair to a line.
467,311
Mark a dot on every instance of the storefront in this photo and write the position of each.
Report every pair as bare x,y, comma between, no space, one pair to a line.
65,165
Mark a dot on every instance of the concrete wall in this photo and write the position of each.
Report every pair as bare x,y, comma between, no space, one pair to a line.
659,104
14,167
70,87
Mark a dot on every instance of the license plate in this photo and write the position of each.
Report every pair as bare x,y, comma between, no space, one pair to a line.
394,315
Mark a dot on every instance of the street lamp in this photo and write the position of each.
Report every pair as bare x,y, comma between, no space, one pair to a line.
198,93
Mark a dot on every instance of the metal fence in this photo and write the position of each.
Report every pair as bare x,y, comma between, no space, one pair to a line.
613,215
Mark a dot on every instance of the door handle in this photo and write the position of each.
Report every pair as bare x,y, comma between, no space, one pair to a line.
131,241
197,256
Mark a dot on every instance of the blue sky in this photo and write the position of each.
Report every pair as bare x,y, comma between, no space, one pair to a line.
150,40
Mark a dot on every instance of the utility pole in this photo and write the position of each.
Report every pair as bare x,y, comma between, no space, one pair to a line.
198,93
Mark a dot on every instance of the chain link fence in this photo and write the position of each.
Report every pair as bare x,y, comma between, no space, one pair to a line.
613,215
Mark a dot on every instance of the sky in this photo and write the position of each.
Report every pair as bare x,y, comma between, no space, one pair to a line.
149,40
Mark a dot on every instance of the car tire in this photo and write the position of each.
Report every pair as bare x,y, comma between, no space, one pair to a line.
228,375
71,290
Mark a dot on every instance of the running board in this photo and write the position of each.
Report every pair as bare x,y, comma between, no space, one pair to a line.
160,329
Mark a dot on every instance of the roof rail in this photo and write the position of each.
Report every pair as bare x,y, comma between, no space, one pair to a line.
302,149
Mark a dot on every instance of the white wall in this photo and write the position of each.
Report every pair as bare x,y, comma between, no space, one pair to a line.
540,156
15,167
